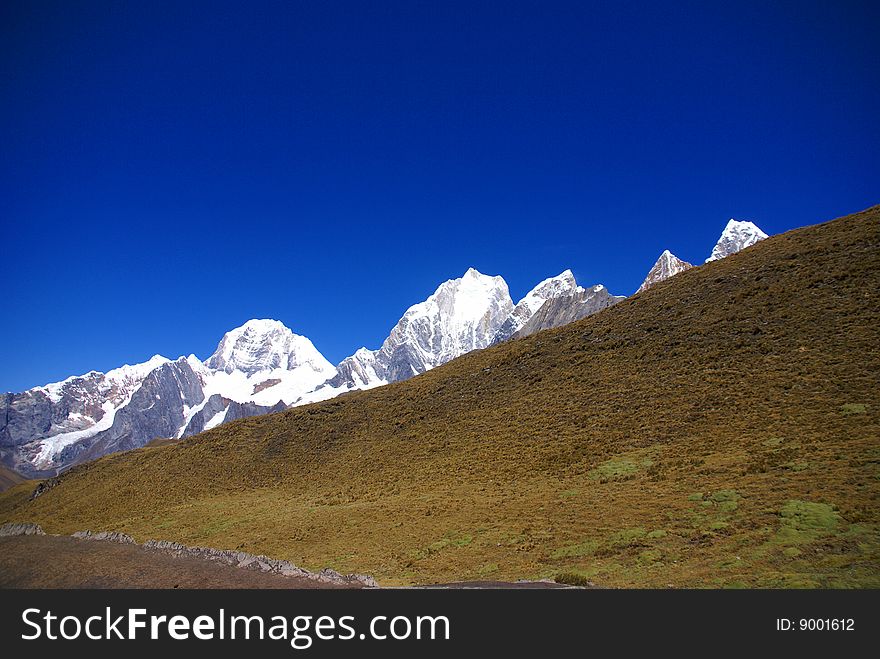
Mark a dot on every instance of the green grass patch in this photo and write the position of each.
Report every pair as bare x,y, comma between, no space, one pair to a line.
614,470
586,548
650,556
726,500
449,541
626,537
806,521
573,579
853,408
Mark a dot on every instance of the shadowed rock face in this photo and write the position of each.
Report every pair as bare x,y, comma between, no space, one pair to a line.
216,404
213,406
560,311
559,286
155,410
77,404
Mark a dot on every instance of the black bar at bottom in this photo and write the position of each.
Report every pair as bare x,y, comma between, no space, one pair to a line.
513,622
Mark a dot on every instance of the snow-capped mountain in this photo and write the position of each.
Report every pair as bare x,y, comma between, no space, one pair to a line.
561,285
668,265
264,362
255,368
737,235
65,412
463,314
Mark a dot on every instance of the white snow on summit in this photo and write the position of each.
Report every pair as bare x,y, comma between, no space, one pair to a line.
460,316
737,235
264,345
562,284
250,358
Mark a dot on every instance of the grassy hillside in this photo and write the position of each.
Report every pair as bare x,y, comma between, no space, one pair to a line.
721,428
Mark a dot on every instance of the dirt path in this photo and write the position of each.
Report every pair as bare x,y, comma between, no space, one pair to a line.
63,562
49,561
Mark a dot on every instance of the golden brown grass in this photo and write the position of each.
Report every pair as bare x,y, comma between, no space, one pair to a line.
720,428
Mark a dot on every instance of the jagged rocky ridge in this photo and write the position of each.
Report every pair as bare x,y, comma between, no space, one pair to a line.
566,309
263,367
469,313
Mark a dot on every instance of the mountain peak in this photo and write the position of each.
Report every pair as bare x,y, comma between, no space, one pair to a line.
263,325
264,344
737,235
668,265
561,285
459,316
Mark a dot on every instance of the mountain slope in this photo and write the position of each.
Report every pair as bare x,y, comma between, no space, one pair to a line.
720,428
262,366
41,422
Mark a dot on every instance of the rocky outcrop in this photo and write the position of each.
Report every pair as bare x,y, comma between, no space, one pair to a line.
20,528
109,536
29,415
43,487
216,404
233,558
229,411
569,308
245,410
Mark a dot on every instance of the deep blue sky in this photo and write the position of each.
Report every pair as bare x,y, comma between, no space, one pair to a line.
170,171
